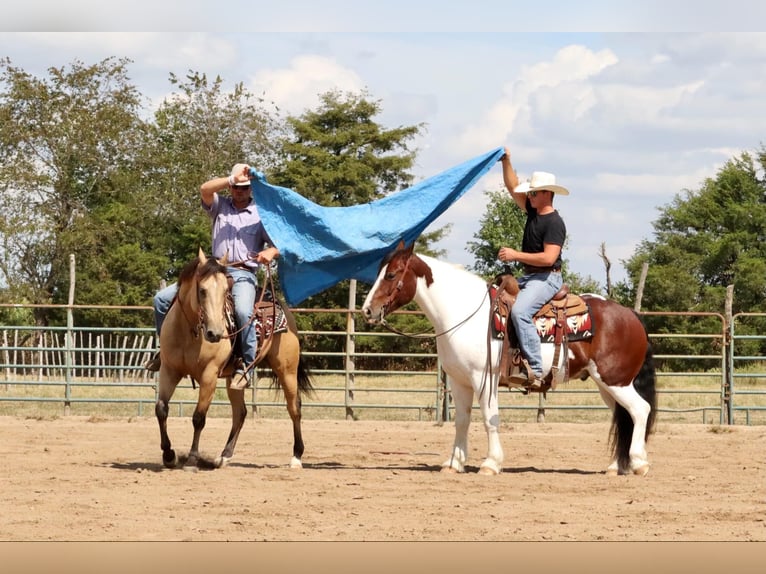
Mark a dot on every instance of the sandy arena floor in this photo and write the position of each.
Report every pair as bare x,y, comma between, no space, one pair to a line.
78,479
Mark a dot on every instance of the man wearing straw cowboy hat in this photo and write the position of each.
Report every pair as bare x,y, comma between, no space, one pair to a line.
544,236
238,233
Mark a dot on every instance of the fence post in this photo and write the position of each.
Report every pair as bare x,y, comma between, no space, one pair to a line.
728,350
350,350
640,289
68,341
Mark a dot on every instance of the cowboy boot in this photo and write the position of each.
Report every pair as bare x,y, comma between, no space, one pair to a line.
154,363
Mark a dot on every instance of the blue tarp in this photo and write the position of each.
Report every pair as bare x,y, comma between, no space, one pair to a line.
321,246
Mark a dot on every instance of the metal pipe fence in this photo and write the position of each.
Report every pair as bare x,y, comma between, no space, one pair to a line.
96,371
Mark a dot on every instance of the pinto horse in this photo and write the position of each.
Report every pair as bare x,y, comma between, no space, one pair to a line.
618,356
195,341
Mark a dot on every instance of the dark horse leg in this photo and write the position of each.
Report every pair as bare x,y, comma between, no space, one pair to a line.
168,384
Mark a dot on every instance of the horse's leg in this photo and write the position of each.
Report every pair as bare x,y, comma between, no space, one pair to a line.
638,410
608,399
462,395
493,464
238,415
167,387
284,358
289,383
199,418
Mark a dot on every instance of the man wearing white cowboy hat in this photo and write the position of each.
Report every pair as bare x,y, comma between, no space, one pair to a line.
544,236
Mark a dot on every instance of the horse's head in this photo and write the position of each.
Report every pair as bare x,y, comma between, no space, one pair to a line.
204,287
397,283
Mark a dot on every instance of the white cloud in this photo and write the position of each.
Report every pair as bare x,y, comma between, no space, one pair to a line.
296,88
550,87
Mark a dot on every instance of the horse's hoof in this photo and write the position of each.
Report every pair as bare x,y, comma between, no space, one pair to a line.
488,471
642,470
611,472
170,460
296,463
450,470
192,468
222,461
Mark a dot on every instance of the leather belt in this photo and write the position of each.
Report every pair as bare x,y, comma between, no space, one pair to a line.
241,266
530,269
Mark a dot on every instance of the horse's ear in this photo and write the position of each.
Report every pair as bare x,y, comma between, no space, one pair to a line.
225,259
201,256
403,247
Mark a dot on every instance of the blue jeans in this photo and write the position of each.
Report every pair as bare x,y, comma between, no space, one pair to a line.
536,290
243,293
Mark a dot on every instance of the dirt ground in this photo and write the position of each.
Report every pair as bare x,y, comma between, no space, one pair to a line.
81,479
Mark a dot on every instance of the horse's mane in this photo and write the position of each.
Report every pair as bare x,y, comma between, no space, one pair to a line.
454,267
192,268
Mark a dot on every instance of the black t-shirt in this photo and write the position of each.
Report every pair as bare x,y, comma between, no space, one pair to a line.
541,229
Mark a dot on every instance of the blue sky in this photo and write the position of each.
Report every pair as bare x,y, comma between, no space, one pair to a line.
625,118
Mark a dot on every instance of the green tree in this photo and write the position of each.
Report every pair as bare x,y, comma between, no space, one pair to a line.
705,240
200,131
67,140
338,155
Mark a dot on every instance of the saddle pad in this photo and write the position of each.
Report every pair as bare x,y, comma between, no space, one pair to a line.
269,319
578,327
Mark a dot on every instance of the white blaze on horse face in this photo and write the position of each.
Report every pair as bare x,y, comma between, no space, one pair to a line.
374,314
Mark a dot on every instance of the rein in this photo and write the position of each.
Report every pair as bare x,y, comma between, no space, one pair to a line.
260,300
196,329
424,334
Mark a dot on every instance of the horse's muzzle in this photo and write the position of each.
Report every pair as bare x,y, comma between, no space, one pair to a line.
212,336
373,319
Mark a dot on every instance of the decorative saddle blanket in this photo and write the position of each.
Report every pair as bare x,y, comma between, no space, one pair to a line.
578,325
269,317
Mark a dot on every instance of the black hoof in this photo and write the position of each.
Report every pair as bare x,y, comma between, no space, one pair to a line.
169,458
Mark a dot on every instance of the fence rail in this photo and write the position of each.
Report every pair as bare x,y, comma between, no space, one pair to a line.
85,370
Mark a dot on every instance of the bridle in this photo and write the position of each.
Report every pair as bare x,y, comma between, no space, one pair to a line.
199,325
421,334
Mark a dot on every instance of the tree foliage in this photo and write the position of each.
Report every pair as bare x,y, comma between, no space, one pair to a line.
66,140
338,155
199,132
704,241
83,173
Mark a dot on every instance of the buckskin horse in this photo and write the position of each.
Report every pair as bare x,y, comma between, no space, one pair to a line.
617,355
196,341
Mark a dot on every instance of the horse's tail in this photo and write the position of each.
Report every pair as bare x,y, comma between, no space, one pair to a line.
622,423
305,383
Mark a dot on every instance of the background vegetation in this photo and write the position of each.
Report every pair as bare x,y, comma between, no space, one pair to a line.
87,168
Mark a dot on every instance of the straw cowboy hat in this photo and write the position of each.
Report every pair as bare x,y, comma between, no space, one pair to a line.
237,171
541,181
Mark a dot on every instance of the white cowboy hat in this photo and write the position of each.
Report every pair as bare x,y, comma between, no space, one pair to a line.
541,181
236,171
